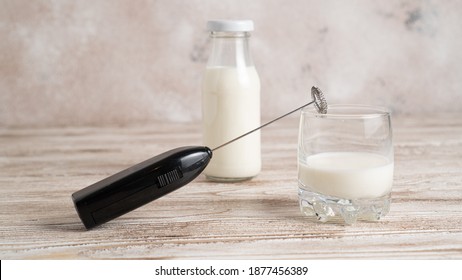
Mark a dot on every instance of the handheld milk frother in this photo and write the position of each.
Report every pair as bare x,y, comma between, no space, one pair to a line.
151,179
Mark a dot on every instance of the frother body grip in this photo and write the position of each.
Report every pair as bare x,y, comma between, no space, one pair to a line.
140,184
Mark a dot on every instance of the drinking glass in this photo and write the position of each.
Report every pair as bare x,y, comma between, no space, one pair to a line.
345,163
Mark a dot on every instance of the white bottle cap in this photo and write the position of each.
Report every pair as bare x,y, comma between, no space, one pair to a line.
230,25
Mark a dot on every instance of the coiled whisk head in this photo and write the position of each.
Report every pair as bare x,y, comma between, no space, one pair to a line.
319,100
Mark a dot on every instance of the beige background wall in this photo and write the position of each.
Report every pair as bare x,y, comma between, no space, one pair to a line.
121,62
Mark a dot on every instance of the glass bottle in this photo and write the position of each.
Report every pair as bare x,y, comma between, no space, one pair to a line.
231,103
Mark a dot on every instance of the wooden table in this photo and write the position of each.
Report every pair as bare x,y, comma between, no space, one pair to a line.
41,167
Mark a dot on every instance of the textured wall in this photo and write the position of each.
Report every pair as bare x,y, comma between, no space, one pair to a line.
98,62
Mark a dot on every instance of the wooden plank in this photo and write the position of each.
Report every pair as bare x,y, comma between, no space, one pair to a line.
41,167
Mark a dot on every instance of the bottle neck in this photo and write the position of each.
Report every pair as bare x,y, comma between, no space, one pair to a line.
230,49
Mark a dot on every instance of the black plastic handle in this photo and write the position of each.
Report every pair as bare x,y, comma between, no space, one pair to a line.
137,185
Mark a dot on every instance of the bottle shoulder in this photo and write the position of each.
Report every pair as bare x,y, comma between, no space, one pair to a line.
231,70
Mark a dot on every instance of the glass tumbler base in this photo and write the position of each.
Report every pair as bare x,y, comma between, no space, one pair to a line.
326,208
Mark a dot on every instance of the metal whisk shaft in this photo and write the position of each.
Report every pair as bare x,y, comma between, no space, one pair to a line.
317,98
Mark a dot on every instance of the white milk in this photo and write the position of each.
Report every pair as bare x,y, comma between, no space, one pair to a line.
347,174
231,107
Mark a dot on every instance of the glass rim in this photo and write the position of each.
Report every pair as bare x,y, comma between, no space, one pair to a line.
358,111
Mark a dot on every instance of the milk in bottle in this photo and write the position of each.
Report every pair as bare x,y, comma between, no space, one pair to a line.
231,103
